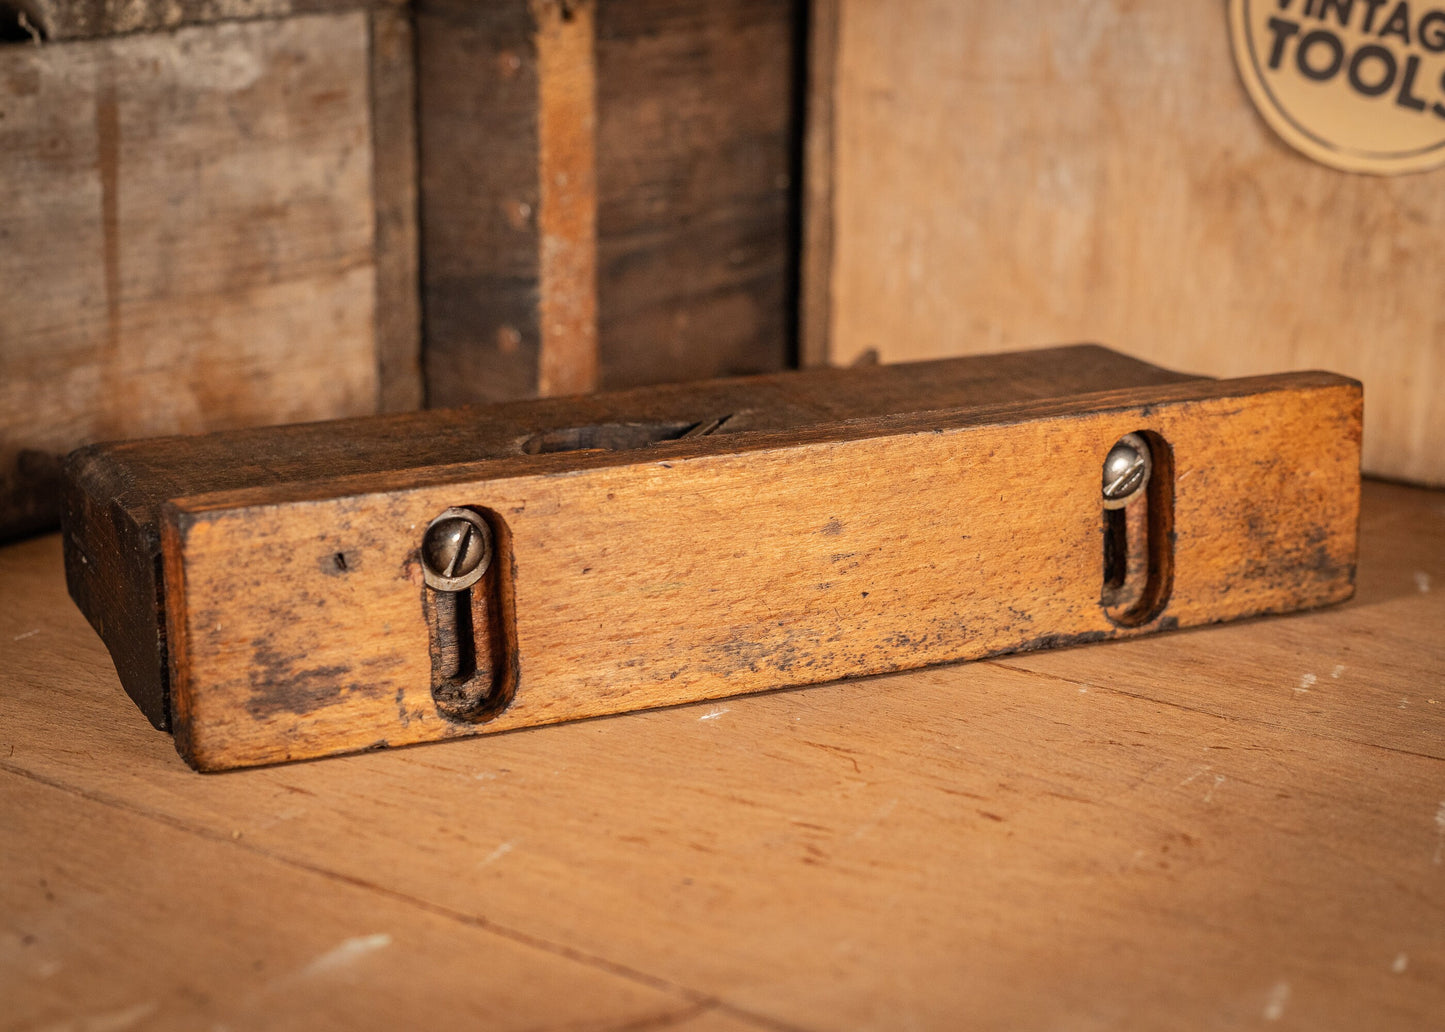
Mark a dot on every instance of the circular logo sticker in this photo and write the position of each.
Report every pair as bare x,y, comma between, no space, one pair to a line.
1355,84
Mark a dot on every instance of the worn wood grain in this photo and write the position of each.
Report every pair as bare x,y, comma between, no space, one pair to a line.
715,565
187,239
670,257
113,512
477,91
1008,173
966,845
55,20
815,302
394,181
714,568
567,188
697,147
1347,672
189,930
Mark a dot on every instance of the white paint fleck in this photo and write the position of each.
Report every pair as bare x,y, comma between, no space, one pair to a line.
1306,682
1338,670
1440,830
111,1021
1083,690
1400,964
1404,703
349,952
714,713
1274,1005
27,634
1218,780
878,817
496,854
1422,582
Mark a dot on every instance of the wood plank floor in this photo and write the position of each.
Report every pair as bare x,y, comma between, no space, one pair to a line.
1232,827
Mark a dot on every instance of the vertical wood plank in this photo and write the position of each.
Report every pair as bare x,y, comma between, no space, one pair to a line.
477,91
696,145
816,300
394,172
567,187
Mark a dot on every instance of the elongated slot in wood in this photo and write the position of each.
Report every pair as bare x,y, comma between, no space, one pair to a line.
471,639
1138,544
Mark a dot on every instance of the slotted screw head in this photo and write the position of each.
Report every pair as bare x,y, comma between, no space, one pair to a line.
1126,471
456,550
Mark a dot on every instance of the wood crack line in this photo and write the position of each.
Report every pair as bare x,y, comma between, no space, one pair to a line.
1025,671
699,1000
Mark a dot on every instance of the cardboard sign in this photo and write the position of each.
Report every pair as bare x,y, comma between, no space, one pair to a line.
1358,85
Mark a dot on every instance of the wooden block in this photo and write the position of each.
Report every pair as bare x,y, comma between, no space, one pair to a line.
673,544
636,227
116,491
197,237
1003,174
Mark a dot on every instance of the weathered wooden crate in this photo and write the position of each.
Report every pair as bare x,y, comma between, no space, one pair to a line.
1004,173
213,213
204,225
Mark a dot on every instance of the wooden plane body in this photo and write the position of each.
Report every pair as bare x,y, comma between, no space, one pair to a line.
265,595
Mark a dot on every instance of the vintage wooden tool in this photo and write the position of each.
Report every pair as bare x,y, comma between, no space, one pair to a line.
299,591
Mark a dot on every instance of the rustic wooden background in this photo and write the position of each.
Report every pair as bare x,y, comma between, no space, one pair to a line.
207,227
215,217
1012,173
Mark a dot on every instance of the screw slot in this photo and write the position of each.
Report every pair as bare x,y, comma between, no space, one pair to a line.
456,550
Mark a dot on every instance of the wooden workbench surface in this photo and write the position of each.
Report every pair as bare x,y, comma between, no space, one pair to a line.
1235,826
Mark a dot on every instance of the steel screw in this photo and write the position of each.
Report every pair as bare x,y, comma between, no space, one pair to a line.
1126,471
456,550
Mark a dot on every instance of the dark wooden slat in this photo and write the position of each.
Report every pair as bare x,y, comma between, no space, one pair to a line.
695,185
393,177
477,93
